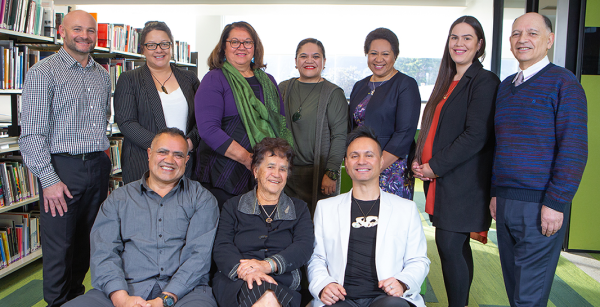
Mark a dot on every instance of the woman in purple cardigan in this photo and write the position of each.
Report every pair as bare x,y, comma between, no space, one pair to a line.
237,105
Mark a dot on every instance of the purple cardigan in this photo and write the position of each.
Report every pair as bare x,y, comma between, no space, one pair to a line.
218,125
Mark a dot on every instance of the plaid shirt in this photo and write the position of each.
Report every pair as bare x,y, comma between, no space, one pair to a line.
65,109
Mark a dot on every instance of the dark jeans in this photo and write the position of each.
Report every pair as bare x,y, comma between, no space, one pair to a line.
66,239
457,265
380,301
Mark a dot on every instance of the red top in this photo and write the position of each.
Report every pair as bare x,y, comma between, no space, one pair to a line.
428,147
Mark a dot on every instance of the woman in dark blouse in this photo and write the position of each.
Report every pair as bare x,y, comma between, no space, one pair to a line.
389,102
152,97
264,236
237,105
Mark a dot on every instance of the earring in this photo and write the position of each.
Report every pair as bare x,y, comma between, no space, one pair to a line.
252,59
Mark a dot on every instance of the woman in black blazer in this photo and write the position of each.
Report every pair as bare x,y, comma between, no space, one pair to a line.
154,96
389,102
454,154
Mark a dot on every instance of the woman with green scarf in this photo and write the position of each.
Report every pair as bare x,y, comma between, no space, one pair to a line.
236,105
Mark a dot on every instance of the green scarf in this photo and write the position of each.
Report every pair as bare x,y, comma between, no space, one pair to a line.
260,120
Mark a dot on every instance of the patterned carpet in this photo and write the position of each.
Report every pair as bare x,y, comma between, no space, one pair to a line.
572,287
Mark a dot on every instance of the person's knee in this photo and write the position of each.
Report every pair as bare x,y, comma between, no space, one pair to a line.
390,301
268,299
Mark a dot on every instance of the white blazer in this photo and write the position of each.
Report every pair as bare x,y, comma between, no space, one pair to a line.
400,250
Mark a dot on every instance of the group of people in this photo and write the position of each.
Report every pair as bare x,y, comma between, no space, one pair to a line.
244,173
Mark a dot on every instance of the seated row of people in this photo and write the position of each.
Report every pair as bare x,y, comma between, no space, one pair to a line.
152,240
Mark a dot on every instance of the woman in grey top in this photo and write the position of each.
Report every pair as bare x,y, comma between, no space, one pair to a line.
316,111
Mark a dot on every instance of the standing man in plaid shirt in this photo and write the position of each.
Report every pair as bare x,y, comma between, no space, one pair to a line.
63,135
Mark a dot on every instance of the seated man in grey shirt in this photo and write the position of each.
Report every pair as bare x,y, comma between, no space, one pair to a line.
152,239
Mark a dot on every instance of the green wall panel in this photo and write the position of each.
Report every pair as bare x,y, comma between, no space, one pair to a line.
592,13
584,232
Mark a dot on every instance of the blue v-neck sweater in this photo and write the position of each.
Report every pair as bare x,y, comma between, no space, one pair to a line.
541,138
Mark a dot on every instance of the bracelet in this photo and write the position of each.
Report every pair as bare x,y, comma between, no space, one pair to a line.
271,263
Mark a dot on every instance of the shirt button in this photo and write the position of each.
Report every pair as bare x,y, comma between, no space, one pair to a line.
160,235
160,220
91,107
160,252
162,269
161,205
263,237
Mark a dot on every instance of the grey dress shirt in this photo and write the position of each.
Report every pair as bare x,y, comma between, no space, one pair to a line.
140,239
65,110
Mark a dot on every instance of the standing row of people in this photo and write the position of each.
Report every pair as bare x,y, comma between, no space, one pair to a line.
237,105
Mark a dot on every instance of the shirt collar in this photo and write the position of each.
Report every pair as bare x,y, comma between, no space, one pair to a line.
144,184
533,69
285,207
65,56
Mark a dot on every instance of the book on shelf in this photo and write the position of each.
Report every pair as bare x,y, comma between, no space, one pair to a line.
25,16
117,66
114,153
120,37
15,61
18,183
19,235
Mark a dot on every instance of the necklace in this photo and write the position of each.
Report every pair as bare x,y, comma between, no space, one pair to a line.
362,222
380,84
268,219
452,86
297,115
162,85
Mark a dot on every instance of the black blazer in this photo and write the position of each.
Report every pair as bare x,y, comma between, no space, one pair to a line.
393,112
139,114
463,151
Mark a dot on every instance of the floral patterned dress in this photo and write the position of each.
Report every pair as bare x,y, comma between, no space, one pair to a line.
397,178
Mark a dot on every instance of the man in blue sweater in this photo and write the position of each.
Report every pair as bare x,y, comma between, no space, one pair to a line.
541,152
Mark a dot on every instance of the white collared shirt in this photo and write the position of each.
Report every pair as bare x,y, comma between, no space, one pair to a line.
532,70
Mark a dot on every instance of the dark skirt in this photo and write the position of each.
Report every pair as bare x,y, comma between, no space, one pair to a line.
300,185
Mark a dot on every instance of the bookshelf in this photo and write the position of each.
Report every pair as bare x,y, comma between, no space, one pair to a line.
33,256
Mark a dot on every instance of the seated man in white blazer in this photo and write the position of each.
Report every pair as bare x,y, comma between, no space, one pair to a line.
370,249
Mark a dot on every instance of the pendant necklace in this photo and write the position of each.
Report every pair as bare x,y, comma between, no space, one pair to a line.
297,115
162,85
268,219
356,224
376,86
452,86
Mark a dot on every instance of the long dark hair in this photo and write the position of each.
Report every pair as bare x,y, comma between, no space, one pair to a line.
217,56
444,79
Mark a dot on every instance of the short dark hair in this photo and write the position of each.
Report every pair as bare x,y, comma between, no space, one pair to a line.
155,25
272,147
172,131
547,22
362,132
383,33
313,41
217,56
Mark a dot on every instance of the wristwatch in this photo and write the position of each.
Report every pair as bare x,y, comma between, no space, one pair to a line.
332,174
168,300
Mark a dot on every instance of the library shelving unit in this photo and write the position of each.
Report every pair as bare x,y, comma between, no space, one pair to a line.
7,145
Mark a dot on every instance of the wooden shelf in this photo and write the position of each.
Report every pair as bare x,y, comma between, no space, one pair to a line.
37,254
9,144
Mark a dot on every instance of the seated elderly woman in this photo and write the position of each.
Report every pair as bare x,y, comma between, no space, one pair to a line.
264,236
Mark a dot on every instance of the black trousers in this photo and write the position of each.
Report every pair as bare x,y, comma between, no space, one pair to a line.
66,239
457,265
383,300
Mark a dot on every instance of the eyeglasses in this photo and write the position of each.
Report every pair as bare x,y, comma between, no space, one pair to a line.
163,45
236,43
